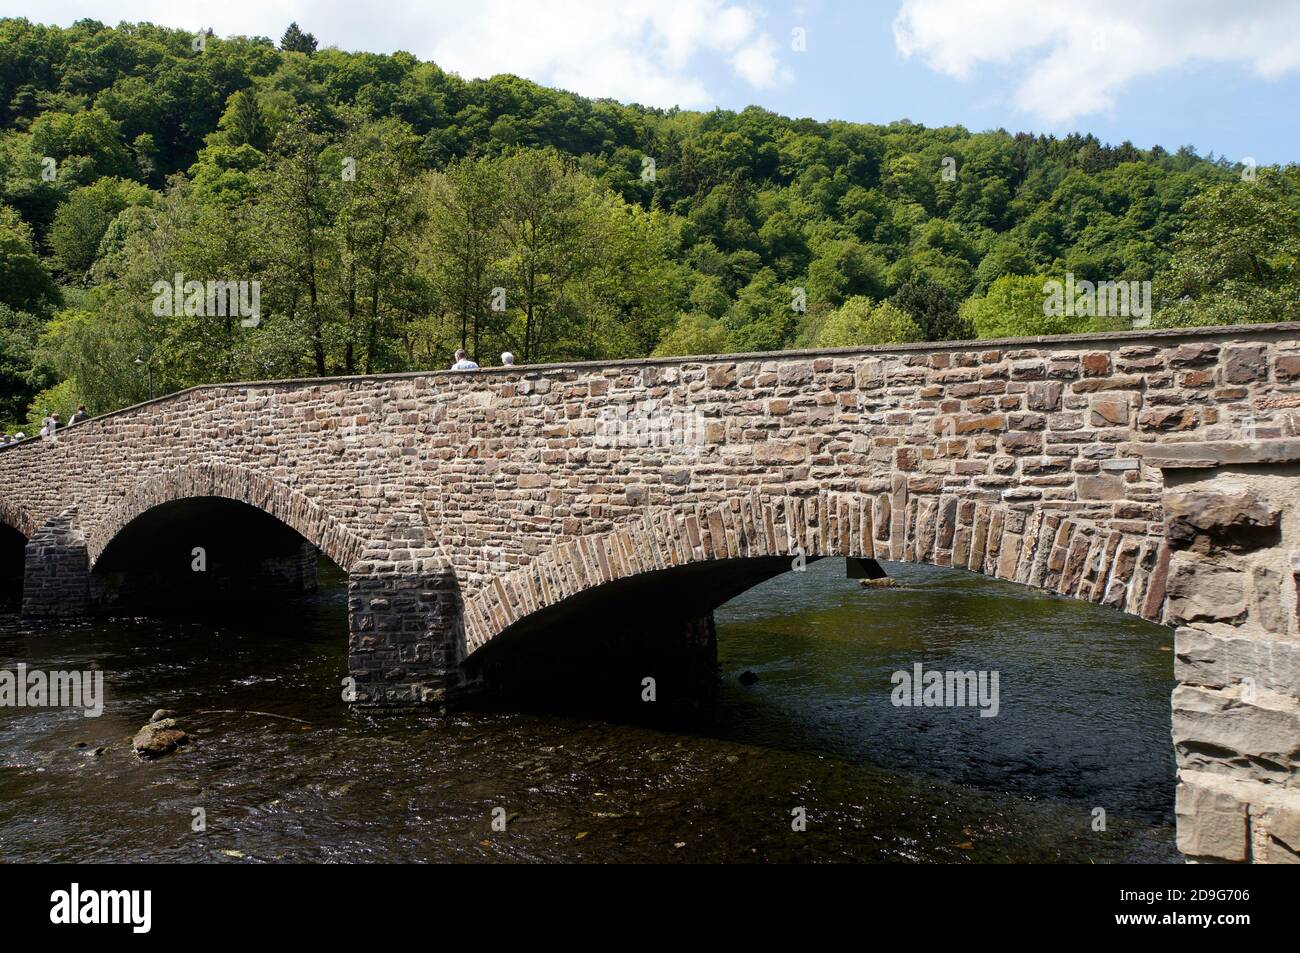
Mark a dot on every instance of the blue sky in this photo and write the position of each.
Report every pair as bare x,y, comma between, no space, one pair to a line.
1220,75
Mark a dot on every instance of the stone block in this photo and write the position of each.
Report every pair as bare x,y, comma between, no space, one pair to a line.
1211,824
1203,591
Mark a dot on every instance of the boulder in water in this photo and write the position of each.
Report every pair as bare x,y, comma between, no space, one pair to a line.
884,582
159,738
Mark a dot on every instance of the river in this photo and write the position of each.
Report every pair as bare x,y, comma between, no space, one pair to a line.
280,770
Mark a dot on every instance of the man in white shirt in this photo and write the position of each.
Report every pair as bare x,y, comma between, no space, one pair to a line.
462,362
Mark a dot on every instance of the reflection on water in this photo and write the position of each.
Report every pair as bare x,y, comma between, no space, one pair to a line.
283,771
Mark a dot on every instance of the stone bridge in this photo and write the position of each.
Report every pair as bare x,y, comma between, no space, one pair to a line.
511,527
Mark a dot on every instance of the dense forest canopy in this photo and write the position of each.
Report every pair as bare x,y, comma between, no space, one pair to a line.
368,213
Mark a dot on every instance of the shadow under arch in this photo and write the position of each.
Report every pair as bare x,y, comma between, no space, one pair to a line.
661,575
209,555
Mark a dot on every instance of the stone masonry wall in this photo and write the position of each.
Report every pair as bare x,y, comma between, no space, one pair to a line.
494,469
55,583
1234,594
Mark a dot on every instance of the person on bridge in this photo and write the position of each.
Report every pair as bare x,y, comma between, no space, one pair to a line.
507,359
463,363
79,416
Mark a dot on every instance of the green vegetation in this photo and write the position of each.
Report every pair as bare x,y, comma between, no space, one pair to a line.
390,212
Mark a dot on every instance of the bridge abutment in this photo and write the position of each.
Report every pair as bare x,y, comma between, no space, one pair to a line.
1233,530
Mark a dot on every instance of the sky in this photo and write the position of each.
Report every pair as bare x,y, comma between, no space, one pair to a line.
1220,75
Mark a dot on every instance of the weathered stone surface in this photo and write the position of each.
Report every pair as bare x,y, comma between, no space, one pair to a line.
1211,824
56,581
1246,364
1109,412
1044,396
158,738
1199,591
1101,487
1243,730
1168,418
1236,710
1204,455
1206,521
1215,660
1186,355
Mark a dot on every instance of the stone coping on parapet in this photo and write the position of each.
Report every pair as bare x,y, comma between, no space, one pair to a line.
1215,453
1138,336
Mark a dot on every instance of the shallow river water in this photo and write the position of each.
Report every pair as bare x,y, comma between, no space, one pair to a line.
279,769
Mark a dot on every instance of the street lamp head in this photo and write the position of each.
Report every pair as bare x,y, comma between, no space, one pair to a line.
139,360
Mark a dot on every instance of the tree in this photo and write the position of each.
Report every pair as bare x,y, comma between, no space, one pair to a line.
377,214
860,322
1015,306
545,195
243,123
764,317
552,232
694,333
463,243
296,41
297,213
25,285
844,268
1237,258
21,372
81,221
934,310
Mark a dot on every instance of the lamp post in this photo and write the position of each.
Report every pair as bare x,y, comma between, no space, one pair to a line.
141,362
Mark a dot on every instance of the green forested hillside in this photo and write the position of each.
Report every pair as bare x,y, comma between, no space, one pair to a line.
389,212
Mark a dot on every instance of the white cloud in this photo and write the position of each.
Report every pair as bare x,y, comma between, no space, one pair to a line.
657,52
1074,57
757,63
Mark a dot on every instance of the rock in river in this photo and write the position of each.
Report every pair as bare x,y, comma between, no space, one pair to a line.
159,738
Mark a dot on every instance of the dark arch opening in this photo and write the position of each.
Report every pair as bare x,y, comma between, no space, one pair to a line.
590,650
208,555
13,551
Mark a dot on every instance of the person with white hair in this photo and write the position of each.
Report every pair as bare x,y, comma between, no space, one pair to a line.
507,359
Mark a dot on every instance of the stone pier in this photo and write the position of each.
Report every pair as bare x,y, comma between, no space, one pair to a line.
56,580
1232,513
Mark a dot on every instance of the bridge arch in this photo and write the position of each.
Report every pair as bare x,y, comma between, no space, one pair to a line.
291,507
18,518
1043,549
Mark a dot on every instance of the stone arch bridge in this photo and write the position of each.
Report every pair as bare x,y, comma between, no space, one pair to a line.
492,517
